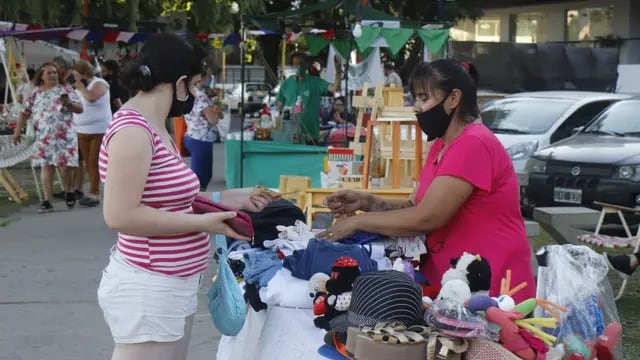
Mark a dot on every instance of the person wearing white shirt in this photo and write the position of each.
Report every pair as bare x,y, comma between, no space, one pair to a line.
91,124
391,77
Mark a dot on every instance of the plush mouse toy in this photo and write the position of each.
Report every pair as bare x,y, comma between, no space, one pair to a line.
344,272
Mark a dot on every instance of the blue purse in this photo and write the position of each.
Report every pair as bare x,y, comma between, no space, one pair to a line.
226,301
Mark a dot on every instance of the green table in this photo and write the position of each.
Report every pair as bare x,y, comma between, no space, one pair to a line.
265,161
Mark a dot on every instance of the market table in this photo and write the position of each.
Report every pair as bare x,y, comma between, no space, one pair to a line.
265,161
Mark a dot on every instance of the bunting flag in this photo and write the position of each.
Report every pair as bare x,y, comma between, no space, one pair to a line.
372,36
369,35
434,40
316,44
396,38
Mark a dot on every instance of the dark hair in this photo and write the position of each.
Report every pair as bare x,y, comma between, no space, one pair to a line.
164,58
388,66
339,98
31,72
112,66
37,79
446,75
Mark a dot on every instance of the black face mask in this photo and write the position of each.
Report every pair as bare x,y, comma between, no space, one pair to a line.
181,107
435,121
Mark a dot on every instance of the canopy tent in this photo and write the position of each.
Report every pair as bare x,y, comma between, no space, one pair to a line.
27,53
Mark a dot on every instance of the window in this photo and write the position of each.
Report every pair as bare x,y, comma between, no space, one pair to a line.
524,115
589,23
579,118
487,29
529,28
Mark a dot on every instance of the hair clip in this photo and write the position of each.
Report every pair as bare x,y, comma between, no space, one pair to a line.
144,69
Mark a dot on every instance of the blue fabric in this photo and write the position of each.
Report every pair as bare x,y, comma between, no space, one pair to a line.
201,159
261,267
330,352
215,196
320,255
361,238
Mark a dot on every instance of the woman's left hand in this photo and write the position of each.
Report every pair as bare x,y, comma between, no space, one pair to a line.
343,227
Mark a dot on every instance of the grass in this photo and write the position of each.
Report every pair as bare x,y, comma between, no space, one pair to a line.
628,306
8,207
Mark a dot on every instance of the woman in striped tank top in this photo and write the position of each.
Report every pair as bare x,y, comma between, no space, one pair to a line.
148,292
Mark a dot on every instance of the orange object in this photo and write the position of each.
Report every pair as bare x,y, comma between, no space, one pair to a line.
179,130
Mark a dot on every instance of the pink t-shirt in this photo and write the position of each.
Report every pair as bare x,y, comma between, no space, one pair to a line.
489,223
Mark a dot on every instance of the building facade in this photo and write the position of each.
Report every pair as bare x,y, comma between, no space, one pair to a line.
561,21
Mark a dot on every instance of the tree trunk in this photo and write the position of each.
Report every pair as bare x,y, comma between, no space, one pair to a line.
134,13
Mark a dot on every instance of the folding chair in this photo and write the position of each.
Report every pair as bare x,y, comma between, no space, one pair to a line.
614,242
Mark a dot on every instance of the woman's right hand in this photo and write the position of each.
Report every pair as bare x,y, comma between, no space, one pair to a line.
346,201
215,223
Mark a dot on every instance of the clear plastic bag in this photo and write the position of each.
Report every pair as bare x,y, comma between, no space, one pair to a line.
454,319
576,277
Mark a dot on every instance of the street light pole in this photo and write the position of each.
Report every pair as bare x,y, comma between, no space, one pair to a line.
242,80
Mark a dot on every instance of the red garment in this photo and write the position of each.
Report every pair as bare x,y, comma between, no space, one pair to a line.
489,223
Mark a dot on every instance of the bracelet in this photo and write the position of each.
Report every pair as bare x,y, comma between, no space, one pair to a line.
216,196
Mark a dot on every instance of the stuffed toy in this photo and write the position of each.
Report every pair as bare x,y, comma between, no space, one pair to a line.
344,272
470,275
318,292
518,334
472,269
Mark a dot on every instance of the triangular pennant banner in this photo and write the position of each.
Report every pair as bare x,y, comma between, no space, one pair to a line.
369,35
396,38
434,40
316,43
365,54
342,47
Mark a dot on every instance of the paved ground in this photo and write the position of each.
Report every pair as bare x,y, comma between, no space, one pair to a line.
50,267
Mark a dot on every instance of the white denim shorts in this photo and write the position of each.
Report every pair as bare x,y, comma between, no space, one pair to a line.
141,306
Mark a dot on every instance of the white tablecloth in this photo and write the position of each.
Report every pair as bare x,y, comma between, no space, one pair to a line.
277,333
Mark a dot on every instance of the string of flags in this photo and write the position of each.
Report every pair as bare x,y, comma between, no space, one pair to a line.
38,32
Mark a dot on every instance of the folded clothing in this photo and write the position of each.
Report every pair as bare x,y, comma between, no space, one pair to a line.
409,247
362,237
320,255
286,291
260,267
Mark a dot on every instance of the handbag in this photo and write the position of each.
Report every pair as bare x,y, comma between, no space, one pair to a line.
483,349
226,302
241,224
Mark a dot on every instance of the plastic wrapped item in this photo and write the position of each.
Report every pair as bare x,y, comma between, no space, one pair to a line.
576,277
453,318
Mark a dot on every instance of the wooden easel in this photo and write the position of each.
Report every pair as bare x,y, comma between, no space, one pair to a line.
362,103
12,186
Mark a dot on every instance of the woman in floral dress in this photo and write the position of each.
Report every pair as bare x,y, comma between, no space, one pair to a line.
50,107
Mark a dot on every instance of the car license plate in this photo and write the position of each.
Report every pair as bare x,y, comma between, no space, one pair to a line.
569,196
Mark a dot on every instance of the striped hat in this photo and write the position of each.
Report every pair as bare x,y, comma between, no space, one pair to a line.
385,296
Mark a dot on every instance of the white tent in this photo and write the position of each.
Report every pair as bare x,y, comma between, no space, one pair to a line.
34,54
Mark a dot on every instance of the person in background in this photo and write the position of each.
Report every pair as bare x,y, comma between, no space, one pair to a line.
391,77
467,199
624,265
340,115
91,124
66,73
309,89
202,133
111,73
149,290
25,87
49,107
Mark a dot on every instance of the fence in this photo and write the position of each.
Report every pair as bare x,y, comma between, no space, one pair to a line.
509,67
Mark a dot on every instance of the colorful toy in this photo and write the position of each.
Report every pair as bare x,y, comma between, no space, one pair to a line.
337,299
517,334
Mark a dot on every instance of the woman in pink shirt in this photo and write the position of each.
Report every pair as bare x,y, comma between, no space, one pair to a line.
467,199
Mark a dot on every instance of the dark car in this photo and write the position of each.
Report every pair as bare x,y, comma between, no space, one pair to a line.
599,163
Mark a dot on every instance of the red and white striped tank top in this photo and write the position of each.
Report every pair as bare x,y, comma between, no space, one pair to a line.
170,186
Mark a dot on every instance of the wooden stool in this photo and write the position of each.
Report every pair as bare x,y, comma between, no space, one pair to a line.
395,118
